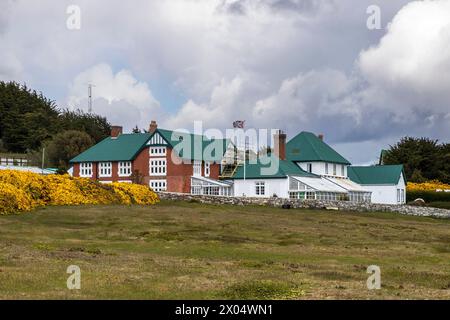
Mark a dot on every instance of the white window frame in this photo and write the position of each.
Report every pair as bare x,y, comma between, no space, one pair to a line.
334,169
197,169
309,167
158,185
326,168
342,170
260,188
158,151
86,169
105,169
158,167
124,168
207,169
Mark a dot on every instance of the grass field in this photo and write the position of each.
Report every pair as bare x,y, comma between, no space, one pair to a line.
178,250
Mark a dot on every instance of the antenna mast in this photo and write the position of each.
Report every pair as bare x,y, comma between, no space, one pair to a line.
90,97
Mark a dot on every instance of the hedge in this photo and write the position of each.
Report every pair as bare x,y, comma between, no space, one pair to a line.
428,196
24,191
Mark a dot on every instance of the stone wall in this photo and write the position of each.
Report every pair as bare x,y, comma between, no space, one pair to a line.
311,204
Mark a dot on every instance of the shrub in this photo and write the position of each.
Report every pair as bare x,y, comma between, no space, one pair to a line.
12,199
432,185
428,196
24,191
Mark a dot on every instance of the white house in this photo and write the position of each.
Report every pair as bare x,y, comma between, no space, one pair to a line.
306,168
386,182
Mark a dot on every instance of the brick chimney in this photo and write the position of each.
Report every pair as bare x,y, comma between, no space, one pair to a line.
116,131
320,136
153,126
279,146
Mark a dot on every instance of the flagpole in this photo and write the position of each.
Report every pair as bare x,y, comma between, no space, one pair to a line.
245,157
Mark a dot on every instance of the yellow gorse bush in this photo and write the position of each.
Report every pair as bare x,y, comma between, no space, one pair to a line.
431,185
24,191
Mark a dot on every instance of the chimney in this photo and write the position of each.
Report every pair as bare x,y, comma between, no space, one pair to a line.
153,126
116,131
279,140
320,136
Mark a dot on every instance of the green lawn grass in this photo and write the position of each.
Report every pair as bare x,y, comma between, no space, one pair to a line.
180,250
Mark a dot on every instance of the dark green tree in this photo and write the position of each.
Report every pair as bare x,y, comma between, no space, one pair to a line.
423,158
94,125
66,145
27,118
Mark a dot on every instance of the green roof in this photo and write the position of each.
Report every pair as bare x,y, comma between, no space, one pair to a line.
123,148
255,170
207,152
127,146
306,146
373,175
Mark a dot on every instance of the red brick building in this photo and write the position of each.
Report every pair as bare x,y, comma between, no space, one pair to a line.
162,159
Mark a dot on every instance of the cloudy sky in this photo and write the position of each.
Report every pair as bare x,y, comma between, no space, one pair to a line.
292,64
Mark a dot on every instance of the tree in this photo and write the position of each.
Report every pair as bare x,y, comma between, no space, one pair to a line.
94,125
26,117
423,158
28,120
137,130
65,146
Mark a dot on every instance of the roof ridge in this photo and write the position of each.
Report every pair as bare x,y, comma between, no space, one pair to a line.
314,148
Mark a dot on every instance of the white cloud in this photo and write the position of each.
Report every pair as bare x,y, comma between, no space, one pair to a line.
119,96
275,63
412,61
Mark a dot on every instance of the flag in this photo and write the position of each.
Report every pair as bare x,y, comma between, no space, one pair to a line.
239,124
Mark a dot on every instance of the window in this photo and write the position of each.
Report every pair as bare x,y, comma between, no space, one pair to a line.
207,169
197,168
260,188
124,168
334,169
211,191
295,185
158,185
157,151
402,196
326,168
343,170
105,169
158,167
86,169
309,167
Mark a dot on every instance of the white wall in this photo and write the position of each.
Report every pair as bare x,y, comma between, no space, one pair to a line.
273,186
387,194
319,168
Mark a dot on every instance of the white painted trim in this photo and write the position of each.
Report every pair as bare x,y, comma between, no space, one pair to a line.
157,139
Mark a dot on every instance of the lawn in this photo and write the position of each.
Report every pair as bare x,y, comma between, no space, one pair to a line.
180,250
